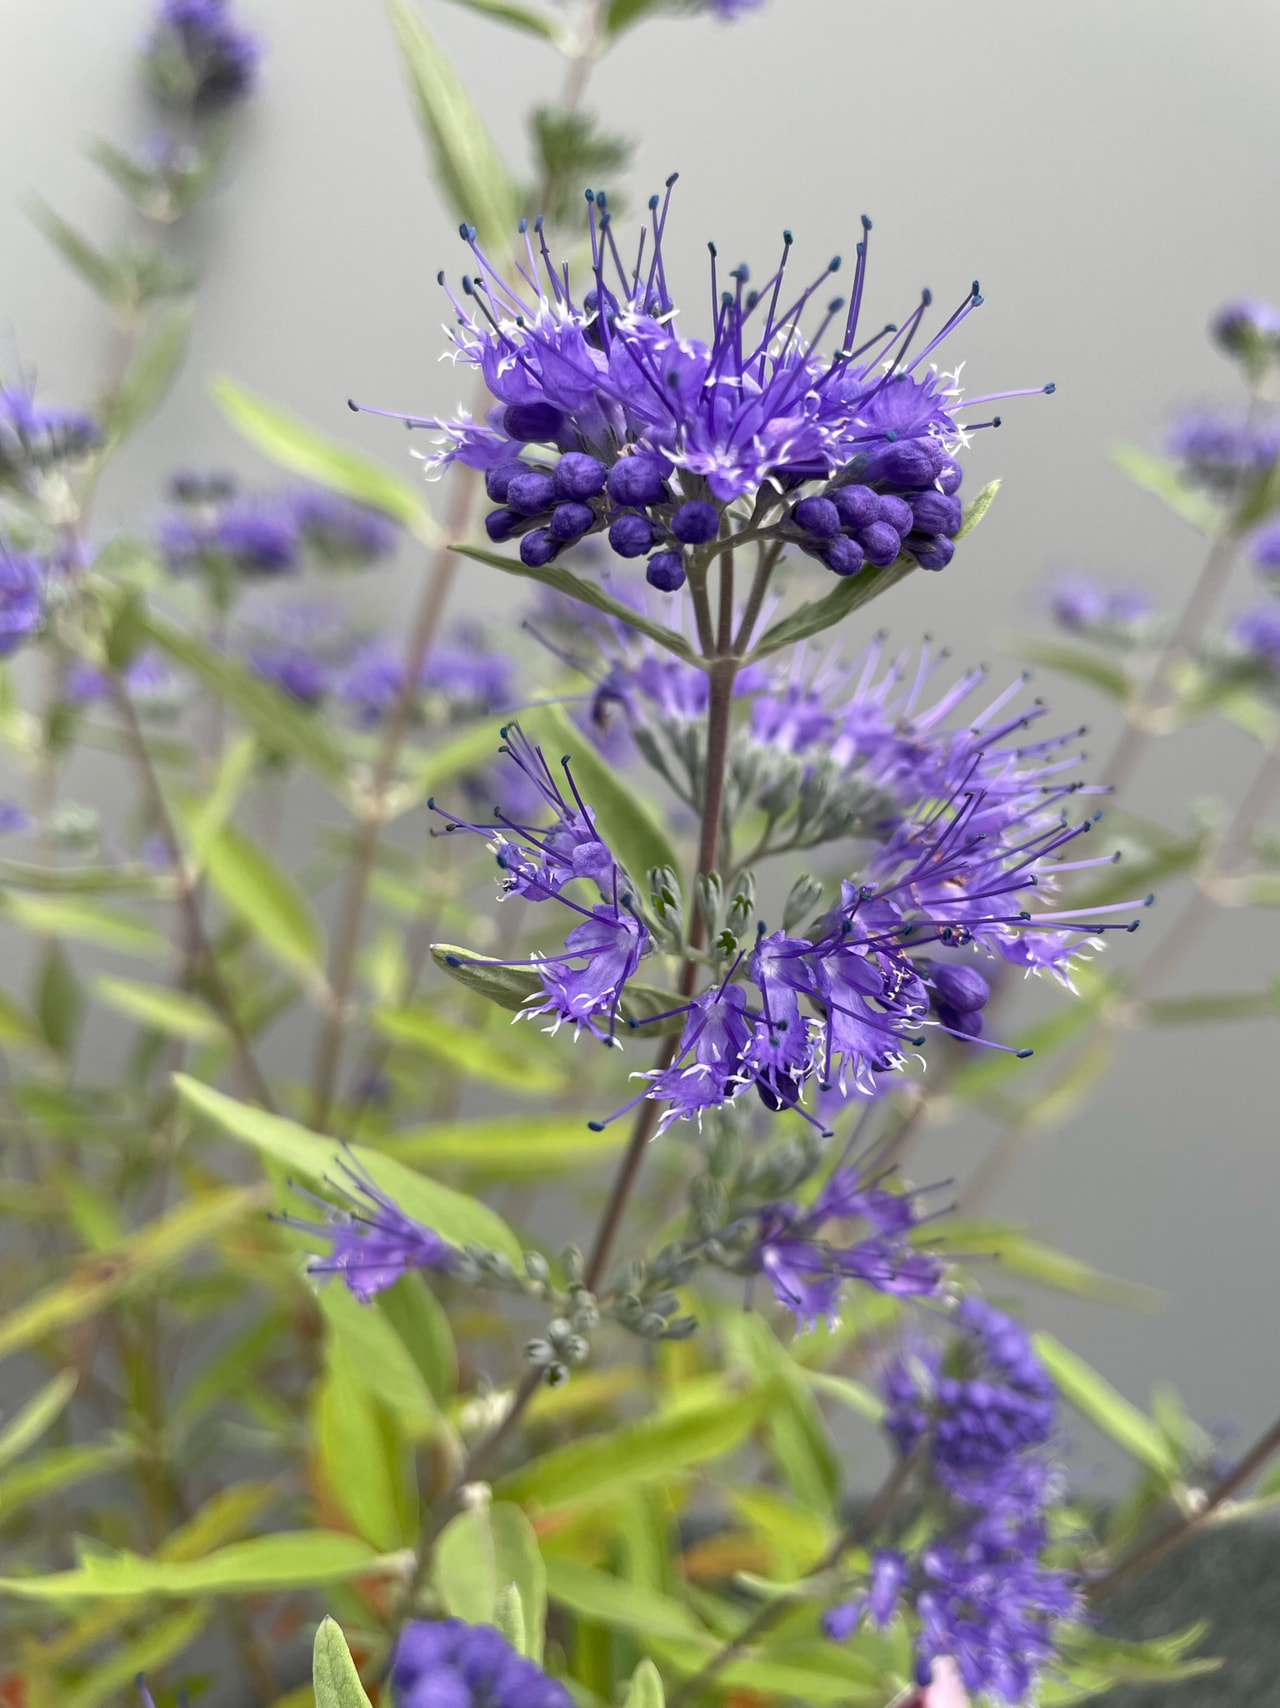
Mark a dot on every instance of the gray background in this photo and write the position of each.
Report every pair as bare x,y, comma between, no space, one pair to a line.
1109,171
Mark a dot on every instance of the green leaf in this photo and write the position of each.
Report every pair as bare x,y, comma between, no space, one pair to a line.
17,1028
850,594
160,1643
1081,1385
1022,1255
151,372
1160,477
378,1360
658,1446
1159,1660
97,270
479,1554
509,1148
519,17
1214,1006
468,166
83,921
619,1605
623,13
32,1419
627,822
422,1324
1077,661
283,725
586,593
144,1255
294,445
59,1001
55,1471
291,1560
267,899
977,508
172,1012
511,987
509,1618
361,1467
81,880
205,817
454,1216
848,1393
333,1672
501,1060
645,1689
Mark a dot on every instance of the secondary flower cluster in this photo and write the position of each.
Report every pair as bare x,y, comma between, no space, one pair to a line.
446,1663
198,57
606,418
979,1585
38,443
22,597
215,528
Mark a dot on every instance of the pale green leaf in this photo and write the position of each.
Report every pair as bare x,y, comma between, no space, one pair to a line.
17,1028
509,1618
82,880
30,1421
468,166
977,508
378,1360
422,1324
516,1062
480,1553
1091,1394
83,921
268,900
359,1466
151,372
519,17
847,1392
619,1605
290,1561
586,593
1214,1006
1022,1255
163,1641
1160,477
511,988
97,270
295,445
454,1216
850,594
333,1672
55,1471
1077,661
507,1147
172,1012
204,817
645,1689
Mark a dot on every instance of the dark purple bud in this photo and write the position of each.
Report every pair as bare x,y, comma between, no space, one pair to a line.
533,421
935,512
908,463
631,535
896,512
880,542
960,987
501,524
931,551
666,572
638,480
858,506
498,478
571,521
530,493
696,523
538,548
578,476
968,1022
818,516
950,476
845,557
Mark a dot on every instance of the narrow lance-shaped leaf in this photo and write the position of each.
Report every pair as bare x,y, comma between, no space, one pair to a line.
172,1012
269,901
511,987
333,1672
1160,477
97,270
29,1423
645,1690
513,1060
1116,1416
151,373
467,164
519,17
482,1552
848,595
163,1641
295,445
1077,661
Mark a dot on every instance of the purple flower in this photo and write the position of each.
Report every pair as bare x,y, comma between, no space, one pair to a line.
1081,605
1264,549
672,428
35,441
1257,632
342,533
197,56
373,1241
729,11
1218,449
371,680
297,673
445,1663
468,674
252,537
1250,329
22,594
14,819
148,679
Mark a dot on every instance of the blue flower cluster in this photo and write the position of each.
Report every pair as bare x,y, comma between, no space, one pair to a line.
265,535
446,1663
979,1586
1083,607
607,419
38,443
197,56
372,1242
22,597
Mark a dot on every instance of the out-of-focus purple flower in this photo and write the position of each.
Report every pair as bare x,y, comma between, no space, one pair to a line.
252,537
1257,632
808,1269
372,1241
729,11
469,674
606,417
445,1663
342,533
197,55
371,680
36,441
14,819
1249,329
22,595
1219,449
148,679
1264,549
1079,605
299,674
